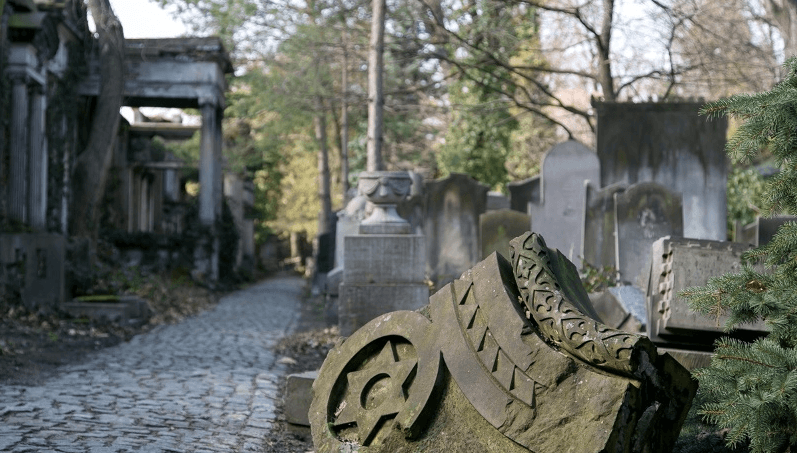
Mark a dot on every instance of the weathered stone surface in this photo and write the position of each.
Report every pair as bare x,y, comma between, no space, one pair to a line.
452,213
668,143
502,360
599,225
297,398
384,189
644,212
613,313
497,228
524,192
559,215
681,263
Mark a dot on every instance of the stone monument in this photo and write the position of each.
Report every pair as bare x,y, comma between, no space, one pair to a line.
508,358
384,264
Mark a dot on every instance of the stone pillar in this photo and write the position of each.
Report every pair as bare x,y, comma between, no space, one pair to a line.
206,255
37,164
384,265
208,163
18,169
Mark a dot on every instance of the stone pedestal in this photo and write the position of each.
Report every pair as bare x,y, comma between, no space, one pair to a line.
382,273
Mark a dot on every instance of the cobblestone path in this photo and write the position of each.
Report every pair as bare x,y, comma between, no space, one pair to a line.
206,384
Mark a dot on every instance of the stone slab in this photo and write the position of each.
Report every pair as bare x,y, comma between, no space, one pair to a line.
524,192
384,258
599,225
643,213
298,396
762,230
496,200
681,263
632,300
559,216
124,310
498,227
360,302
689,359
452,223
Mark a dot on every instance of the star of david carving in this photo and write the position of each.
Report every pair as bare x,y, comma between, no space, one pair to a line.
386,371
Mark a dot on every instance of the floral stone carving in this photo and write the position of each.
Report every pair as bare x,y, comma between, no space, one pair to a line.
505,359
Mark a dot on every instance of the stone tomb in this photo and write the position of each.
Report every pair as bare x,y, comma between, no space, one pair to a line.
497,228
680,263
644,212
559,216
508,358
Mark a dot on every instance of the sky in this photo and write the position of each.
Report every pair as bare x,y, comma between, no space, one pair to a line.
145,19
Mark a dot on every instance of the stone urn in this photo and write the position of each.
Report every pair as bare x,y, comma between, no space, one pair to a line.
384,189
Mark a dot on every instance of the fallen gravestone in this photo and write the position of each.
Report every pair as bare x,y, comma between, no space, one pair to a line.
508,358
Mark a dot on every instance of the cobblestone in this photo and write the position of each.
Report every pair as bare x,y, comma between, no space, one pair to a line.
208,383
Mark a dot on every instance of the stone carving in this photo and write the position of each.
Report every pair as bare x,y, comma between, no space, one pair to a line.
384,189
561,321
501,360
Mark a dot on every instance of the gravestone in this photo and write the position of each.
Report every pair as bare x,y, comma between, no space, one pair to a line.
599,225
505,359
497,228
671,144
680,263
559,216
452,220
762,230
524,192
644,212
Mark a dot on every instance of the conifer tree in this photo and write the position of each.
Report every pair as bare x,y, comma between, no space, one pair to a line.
750,388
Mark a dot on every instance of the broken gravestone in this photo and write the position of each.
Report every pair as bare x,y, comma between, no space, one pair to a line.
508,358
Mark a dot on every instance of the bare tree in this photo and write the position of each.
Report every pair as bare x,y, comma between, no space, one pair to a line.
92,165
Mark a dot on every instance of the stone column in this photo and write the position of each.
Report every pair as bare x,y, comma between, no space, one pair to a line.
18,168
208,163
219,175
37,164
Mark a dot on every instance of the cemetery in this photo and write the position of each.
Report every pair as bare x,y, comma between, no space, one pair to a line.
161,289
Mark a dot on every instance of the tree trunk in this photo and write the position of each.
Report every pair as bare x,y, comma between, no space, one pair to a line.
320,125
345,125
374,135
605,75
92,165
